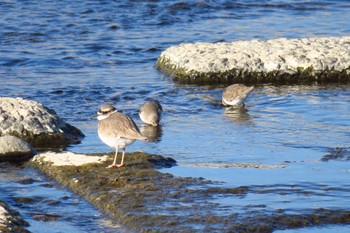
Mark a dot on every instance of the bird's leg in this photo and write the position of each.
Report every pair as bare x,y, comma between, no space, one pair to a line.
115,159
122,162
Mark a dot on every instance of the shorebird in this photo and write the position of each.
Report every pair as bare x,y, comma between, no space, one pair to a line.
151,112
235,95
117,130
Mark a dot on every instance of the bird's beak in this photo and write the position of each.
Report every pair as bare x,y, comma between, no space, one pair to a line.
94,117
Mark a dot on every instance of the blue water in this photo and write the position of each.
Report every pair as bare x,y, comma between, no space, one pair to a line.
73,56
48,200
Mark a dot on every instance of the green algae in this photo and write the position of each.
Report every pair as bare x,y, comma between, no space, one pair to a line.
302,75
146,200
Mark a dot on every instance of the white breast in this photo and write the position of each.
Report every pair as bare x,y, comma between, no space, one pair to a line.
116,142
235,102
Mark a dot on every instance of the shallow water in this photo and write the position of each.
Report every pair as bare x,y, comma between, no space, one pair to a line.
73,56
48,207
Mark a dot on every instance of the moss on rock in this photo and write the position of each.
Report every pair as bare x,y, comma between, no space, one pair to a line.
302,76
275,61
147,200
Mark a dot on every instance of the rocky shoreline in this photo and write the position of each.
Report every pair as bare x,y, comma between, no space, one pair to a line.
25,127
276,61
144,199
140,195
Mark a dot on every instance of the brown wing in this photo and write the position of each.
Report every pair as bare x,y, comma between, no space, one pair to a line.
122,126
236,90
153,106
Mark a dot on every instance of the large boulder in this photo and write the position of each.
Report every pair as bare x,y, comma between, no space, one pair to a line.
36,124
15,149
279,61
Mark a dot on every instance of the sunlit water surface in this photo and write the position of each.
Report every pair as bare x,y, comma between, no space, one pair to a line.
73,56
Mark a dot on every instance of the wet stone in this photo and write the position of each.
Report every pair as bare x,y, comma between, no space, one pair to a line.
46,217
47,185
146,199
24,201
340,154
26,181
36,124
14,149
11,221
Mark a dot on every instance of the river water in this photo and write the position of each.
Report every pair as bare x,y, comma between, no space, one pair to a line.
73,56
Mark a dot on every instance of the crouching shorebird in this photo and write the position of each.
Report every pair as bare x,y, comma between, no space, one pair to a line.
116,130
151,112
235,95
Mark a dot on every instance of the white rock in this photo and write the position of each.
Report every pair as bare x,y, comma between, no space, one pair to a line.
68,158
282,55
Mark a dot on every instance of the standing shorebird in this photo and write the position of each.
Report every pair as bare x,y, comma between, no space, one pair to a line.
151,112
117,130
235,95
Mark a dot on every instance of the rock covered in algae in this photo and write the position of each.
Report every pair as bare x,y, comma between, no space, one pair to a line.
145,199
15,149
279,61
36,124
10,220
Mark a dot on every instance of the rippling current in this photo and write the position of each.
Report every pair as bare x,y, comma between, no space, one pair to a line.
73,56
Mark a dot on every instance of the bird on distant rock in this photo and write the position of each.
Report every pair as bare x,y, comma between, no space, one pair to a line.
235,95
117,130
150,113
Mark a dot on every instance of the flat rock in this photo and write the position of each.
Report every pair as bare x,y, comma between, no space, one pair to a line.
144,199
36,124
10,220
15,149
278,61
68,158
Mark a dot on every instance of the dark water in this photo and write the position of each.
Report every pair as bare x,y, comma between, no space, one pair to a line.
74,55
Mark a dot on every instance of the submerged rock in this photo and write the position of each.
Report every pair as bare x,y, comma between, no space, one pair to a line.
279,61
340,154
11,221
15,149
36,124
